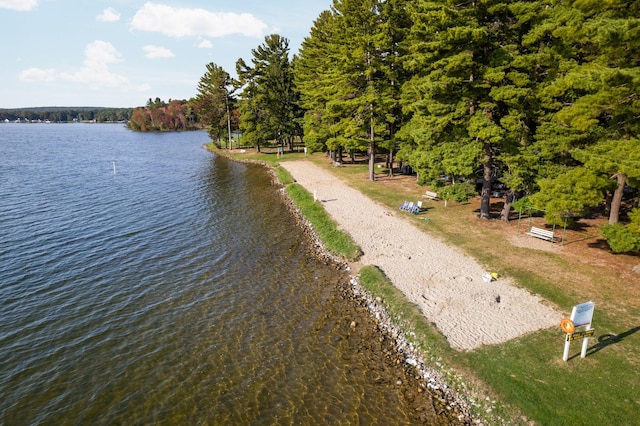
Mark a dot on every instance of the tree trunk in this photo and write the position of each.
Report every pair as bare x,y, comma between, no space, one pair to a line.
506,209
372,161
372,151
228,119
485,204
390,165
614,214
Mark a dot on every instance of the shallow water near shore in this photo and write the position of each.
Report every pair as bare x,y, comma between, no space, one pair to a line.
144,280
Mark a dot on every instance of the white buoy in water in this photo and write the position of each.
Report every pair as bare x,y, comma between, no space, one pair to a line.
114,167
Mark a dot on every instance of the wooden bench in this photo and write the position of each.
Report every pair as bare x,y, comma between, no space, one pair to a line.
431,195
543,234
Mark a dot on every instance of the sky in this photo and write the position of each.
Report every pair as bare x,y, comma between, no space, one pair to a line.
120,53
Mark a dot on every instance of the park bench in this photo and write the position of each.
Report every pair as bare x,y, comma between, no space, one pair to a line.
543,234
431,195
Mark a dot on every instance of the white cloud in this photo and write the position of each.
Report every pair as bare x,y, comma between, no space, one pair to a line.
99,53
108,15
205,44
183,22
38,75
155,52
94,73
18,4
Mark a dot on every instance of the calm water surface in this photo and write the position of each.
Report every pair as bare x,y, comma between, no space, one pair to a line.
175,289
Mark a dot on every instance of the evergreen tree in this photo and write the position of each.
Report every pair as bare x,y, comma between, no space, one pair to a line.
364,78
623,239
592,104
349,77
269,108
253,128
212,103
618,159
312,76
395,26
471,95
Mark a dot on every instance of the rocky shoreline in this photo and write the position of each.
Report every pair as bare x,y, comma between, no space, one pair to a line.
446,401
431,395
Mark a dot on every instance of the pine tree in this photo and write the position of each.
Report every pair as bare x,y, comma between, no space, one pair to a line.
395,25
364,85
471,97
592,104
251,124
212,103
269,106
312,70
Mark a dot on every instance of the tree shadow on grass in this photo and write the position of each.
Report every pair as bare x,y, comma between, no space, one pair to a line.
602,244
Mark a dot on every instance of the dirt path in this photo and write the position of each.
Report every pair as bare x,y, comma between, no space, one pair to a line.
446,284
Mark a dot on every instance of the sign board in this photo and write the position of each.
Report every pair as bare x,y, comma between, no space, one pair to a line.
580,335
581,316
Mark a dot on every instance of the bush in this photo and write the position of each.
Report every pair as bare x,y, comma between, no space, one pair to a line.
459,192
620,238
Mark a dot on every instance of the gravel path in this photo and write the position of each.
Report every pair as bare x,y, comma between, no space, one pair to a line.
445,283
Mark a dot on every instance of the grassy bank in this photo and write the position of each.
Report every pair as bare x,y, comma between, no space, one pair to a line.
526,374
336,242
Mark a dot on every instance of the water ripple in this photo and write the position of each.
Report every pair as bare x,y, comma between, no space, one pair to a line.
173,292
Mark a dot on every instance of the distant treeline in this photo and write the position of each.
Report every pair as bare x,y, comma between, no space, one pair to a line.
66,114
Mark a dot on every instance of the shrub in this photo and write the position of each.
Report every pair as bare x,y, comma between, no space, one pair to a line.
621,238
459,192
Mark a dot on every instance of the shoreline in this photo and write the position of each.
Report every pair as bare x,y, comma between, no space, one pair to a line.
428,378
457,404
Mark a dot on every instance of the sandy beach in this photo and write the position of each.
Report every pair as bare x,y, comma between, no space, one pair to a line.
446,284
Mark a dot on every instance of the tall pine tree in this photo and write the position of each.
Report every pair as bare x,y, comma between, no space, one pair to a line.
269,105
593,102
213,102
471,95
313,69
348,76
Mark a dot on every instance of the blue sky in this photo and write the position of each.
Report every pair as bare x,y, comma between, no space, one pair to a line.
120,53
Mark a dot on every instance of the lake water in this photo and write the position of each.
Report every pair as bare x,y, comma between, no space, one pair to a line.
144,280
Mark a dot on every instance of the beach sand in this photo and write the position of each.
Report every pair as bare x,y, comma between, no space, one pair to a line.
446,284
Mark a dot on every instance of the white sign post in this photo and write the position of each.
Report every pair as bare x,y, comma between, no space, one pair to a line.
581,316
